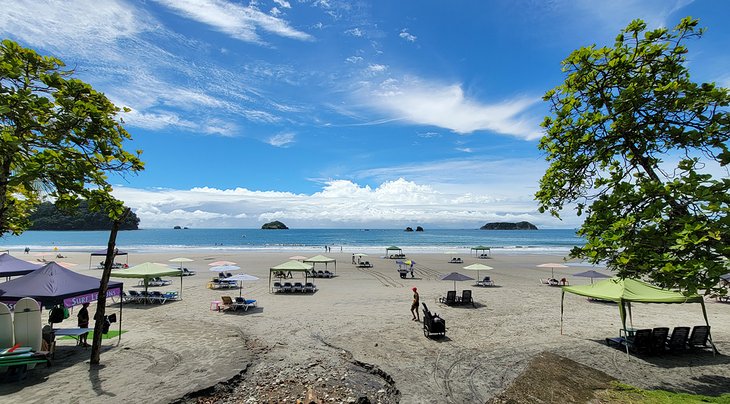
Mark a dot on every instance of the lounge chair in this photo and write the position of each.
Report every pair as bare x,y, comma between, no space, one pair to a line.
432,323
297,287
221,275
639,342
678,340
487,281
659,340
699,337
157,296
187,272
544,281
466,298
450,298
172,295
228,275
277,287
244,303
320,274
287,287
227,303
310,287
328,274
135,297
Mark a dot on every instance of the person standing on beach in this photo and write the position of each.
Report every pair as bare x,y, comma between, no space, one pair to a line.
353,258
83,318
414,305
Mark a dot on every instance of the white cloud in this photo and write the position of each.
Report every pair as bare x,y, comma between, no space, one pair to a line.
376,68
344,203
281,140
356,32
447,106
283,3
275,12
354,59
407,36
465,149
233,19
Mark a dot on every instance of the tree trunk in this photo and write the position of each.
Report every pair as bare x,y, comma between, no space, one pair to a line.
101,303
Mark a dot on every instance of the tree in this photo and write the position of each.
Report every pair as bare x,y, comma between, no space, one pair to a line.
629,145
59,139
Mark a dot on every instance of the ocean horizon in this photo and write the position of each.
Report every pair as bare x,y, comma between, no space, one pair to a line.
458,241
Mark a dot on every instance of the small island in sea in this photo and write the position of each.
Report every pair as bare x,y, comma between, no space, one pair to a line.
275,225
509,226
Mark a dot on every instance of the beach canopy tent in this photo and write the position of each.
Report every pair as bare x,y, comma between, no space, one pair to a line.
393,248
627,291
148,270
291,266
102,253
319,259
11,266
481,248
53,285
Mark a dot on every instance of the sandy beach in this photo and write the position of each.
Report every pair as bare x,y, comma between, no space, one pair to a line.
354,337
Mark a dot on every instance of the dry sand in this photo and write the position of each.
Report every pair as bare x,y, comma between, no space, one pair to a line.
354,338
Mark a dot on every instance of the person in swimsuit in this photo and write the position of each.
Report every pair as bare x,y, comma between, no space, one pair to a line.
414,305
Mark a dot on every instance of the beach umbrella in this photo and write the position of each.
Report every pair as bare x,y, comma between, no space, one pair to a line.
242,278
180,260
592,274
455,276
298,257
552,267
224,268
478,267
219,263
409,262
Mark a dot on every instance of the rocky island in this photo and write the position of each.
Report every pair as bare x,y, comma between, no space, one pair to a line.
509,226
275,225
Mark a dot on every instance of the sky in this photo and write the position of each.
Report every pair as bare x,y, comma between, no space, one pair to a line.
339,114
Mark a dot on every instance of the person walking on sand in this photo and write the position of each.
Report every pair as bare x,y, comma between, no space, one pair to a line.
414,305
353,258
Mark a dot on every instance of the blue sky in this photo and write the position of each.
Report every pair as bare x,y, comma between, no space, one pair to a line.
325,113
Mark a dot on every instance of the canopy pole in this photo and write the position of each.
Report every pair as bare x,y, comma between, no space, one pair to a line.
181,280
709,329
269,280
562,299
622,313
631,318
121,307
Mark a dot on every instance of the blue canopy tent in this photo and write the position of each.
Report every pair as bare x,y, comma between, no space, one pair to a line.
11,266
53,285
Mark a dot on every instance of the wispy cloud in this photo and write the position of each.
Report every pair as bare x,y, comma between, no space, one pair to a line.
283,3
356,32
377,68
238,21
281,140
407,36
447,106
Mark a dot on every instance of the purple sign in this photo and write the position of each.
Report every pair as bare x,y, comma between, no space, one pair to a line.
90,297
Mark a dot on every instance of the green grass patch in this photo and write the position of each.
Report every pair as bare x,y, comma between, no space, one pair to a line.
111,334
623,393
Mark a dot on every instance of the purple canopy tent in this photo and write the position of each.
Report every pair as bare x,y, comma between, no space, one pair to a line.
102,253
11,266
53,285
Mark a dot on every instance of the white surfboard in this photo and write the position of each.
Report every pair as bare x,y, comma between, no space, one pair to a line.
27,323
7,333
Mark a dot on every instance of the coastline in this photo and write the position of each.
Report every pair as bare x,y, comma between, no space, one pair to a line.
354,336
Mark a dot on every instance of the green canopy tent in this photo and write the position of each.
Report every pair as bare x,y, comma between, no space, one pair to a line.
319,259
147,271
626,291
394,248
482,249
291,266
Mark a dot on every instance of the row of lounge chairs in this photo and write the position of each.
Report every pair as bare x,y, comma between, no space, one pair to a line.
320,274
452,300
288,287
149,297
187,272
554,282
116,265
657,341
456,260
218,283
364,264
155,282
236,303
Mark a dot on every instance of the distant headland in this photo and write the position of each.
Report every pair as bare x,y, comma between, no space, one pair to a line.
275,225
509,226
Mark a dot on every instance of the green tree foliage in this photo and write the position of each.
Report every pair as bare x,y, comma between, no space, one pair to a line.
49,217
59,138
629,145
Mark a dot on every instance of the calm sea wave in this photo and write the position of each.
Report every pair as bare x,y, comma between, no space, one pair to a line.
372,240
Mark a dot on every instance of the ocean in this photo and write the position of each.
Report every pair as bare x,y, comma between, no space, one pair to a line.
349,240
